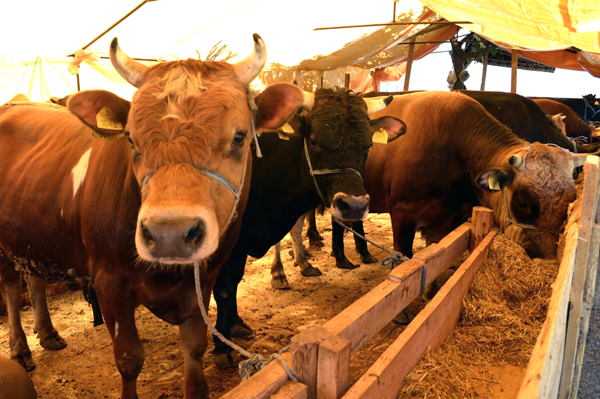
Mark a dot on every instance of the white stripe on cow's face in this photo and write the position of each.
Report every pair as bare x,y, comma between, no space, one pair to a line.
80,170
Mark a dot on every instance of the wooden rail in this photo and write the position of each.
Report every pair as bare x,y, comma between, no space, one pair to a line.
555,364
320,356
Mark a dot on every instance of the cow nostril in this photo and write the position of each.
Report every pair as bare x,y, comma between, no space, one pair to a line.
195,234
147,236
342,205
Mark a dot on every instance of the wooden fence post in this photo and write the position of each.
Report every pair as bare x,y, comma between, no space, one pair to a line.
514,62
305,351
484,74
409,62
482,221
333,376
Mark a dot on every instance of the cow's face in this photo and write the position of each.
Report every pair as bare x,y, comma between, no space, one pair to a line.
338,134
538,185
189,127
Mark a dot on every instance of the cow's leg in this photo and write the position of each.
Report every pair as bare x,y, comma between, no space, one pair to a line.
300,258
48,336
361,245
117,302
434,287
193,343
10,285
404,236
225,293
337,247
278,278
315,240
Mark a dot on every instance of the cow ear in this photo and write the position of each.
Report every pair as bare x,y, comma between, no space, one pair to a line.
387,126
103,111
495,179
277,104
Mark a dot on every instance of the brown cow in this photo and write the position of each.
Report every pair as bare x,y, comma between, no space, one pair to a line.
166,188
466,157
575,126
15,383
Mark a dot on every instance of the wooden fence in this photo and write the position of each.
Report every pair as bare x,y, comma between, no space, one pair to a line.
555,364
320,356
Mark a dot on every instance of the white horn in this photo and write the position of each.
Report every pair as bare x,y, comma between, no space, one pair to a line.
377,103
131,70
249,68
309,100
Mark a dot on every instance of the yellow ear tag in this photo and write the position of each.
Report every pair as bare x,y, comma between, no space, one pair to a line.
287,128
106,119
493,183
380,136
596,103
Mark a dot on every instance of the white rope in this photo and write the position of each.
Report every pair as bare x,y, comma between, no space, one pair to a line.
255,362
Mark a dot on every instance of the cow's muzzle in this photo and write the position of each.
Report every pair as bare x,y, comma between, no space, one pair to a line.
349,207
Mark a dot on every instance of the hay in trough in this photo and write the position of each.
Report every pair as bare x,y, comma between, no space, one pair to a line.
501,318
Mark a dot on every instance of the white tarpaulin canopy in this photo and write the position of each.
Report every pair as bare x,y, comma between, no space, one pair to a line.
39,35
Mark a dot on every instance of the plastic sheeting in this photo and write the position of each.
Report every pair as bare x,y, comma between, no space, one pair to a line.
529,24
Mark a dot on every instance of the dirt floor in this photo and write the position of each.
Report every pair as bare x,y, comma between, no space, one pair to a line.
86,369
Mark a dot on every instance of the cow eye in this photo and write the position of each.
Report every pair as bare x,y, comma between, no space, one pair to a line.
239,137
313,142
129,138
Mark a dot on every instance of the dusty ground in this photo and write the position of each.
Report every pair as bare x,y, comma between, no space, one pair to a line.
85,369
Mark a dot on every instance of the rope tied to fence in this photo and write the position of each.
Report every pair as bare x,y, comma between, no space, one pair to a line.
255,362
393,260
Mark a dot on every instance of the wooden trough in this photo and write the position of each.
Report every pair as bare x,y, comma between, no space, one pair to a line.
320,356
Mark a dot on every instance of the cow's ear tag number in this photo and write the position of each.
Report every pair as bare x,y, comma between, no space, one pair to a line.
380,136
106,119
286,129
493,183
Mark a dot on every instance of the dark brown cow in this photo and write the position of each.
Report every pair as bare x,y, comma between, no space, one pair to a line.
465,157
162,191
574,125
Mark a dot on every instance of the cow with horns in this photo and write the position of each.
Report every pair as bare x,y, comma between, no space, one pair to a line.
166,188
321,162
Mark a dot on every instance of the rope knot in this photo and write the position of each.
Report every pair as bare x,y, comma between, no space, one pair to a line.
395,259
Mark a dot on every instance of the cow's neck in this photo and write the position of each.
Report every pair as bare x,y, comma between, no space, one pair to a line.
487,147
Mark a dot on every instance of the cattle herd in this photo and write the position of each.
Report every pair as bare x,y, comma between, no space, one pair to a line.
130,197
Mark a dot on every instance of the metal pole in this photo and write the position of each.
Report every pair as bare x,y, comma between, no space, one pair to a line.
396,23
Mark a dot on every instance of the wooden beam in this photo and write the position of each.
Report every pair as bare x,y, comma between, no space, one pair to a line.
513,64
305,350
362,320
262,384
427,331
484,74
409,62
290,390
581,273
482,220
542,376
333,376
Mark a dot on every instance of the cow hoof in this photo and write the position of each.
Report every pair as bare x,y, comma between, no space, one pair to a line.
25,361
280,283
226,360
53,342
310,271
345,264
368,258
241,330
405,317
316,244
